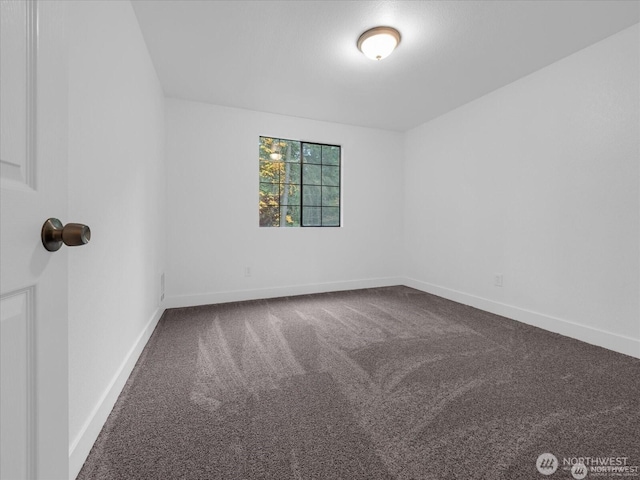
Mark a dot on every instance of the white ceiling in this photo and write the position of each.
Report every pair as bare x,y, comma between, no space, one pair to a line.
300,58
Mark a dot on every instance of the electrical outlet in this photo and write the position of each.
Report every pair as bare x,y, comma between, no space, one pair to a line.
162,286
498,280
247,271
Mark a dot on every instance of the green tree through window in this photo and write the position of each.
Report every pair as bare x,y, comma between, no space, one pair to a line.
299,183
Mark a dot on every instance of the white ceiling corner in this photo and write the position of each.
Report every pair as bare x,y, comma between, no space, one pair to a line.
300,58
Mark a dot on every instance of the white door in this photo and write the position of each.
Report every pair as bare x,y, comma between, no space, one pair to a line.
33,281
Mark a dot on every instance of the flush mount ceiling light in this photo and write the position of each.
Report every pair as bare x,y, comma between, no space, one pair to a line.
276,154
378,43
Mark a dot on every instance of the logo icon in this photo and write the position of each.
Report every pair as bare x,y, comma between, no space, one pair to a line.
547,464
579,471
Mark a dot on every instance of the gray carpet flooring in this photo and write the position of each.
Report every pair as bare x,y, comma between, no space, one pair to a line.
384,383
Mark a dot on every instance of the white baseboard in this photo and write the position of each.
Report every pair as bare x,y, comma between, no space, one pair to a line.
178,301
612,341
81,445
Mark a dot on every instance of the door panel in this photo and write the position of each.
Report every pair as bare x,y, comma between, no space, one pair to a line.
33,282
17,70
17,377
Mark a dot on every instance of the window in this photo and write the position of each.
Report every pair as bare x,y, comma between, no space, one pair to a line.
299,183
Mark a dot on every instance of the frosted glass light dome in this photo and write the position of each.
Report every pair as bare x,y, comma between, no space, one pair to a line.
378,42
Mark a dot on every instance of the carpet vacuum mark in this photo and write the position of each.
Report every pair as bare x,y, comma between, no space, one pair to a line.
383,383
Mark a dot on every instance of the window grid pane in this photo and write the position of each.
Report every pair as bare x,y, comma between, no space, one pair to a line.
312,153
330,176
330,217
299,183
312,174
312,216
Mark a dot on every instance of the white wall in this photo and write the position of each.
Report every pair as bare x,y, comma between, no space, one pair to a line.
213,232
538,181
117,187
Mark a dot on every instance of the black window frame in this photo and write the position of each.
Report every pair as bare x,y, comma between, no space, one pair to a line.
322,185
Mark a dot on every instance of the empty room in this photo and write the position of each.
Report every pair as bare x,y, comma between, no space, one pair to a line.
320,239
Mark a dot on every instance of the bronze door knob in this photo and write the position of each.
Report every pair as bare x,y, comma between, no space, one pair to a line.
72,234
